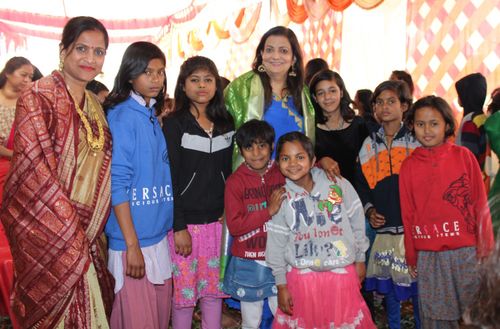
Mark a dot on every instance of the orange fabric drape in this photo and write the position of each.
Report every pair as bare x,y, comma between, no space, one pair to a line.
368,4
219,31
316,10
296,12
194,41
339,5
180,51
278,17
243,29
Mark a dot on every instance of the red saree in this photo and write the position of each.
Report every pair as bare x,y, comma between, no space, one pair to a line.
54,238
5,163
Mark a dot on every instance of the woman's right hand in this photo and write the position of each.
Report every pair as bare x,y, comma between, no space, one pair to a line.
182,241
285,302
136,267
331,168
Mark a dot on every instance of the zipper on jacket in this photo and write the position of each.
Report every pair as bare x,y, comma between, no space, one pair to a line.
407,147
390,155
388,152
189,184
382,138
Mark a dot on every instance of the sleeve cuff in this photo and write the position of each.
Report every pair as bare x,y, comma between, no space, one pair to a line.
367,207
280,279
180,227
119,198
411,261
360,258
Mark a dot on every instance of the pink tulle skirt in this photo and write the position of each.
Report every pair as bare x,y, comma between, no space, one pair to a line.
325,300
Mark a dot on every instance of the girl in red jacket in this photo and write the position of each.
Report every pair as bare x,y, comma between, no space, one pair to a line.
446,218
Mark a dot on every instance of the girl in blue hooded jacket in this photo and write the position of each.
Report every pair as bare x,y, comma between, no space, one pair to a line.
141,192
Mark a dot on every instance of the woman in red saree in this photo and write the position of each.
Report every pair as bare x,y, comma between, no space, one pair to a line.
57,196
15,77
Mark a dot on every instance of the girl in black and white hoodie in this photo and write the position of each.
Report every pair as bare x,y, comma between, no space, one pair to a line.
199,137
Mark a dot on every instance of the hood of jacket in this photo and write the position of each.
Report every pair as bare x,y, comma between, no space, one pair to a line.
320,180
246,171
432,154
471,91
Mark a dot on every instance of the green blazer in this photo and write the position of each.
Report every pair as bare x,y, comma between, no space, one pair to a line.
244,98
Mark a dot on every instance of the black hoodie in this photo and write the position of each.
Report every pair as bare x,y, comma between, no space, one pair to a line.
199,165
471,91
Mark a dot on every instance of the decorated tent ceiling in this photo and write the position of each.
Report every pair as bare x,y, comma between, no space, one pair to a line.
441,41
16,24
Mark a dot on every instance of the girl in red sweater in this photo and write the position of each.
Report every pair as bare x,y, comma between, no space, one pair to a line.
446,219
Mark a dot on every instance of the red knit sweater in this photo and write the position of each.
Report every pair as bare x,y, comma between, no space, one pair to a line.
443,202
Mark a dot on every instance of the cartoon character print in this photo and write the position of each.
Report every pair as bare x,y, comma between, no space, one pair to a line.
333,204
458,194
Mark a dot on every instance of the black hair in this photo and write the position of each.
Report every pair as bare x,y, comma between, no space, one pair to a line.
314,66
398,87
216,110
406,77
134,63
294,84
77,25
12,64
346,111
96,87
364,96
299,137
437,103
494,106
254,131
37,75
224,82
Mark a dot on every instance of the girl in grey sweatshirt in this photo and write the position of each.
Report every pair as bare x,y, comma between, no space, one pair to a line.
316,245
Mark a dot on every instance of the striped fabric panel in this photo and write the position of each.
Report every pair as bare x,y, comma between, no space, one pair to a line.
206,144
449,39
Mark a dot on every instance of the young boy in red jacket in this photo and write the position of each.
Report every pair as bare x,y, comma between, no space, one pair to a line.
252,197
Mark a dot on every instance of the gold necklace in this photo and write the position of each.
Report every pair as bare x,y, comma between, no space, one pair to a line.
96,144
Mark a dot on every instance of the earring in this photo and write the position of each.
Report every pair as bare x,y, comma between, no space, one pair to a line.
292,73
61,64
261,68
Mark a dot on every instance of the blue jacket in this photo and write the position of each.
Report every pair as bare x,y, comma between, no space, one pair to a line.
140,174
